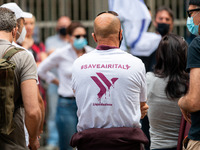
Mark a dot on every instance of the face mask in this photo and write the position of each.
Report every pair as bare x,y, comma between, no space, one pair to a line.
80,43
194,29
22,35
62,31
163,28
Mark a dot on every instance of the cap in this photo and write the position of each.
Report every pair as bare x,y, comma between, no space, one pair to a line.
194,2
17,10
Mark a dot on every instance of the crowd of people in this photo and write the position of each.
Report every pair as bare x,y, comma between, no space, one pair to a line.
101,98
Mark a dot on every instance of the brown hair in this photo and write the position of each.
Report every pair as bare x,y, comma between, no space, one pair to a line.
73,26
171,62
162,8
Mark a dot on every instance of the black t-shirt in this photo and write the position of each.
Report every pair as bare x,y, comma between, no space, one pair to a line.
193,61
193,56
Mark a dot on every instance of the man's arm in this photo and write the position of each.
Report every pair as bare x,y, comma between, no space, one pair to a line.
33,115
191,101
143,107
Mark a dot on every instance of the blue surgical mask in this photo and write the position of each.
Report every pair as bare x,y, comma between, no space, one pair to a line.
79,43
194,29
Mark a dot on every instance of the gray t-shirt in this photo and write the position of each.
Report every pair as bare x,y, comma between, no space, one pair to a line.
164,114
25,69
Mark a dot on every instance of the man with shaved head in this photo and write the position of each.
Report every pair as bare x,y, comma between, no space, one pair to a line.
107,31
110,90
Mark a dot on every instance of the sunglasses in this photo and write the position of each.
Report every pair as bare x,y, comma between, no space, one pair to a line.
78,36
110,12
189,12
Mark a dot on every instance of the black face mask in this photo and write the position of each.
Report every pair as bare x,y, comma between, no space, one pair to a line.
62,31
163,28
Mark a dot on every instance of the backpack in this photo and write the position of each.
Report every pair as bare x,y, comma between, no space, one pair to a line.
7,80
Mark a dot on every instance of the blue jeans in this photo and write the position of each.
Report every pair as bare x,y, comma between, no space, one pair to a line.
52,105
66,121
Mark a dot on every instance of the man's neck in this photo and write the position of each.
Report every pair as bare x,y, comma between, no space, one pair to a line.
105,47
6,36
109,43
29,36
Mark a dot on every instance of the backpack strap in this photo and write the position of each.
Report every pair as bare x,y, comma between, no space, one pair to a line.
11,50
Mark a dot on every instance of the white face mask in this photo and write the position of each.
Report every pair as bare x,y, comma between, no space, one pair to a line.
22,35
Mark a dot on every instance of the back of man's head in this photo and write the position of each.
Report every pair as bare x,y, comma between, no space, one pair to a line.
8,20
107,25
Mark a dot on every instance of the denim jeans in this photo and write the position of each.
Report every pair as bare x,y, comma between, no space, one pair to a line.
66,121
52,105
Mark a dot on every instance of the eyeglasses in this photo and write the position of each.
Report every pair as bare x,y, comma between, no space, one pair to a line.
110,12
78,36
189,12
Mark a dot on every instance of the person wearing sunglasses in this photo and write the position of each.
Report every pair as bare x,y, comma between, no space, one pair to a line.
62,59
193,19
110,91
190,103
52,43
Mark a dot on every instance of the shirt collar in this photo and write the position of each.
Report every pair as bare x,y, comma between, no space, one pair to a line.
105,47
4,42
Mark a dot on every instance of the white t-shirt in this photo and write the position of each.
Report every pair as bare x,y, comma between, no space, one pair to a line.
109,86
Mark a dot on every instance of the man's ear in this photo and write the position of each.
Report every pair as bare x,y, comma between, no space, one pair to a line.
14,32
121,35
94,37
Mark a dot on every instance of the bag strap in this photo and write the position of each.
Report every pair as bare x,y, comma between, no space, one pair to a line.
11,51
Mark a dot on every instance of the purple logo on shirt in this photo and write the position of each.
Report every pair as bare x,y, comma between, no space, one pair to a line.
101,86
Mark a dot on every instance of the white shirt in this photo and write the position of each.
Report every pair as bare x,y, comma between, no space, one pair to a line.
62,59
109,86
54,42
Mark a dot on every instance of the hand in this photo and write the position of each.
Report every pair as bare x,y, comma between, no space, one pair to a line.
186,115
42,55
34,143
143,107
50,51
55,81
